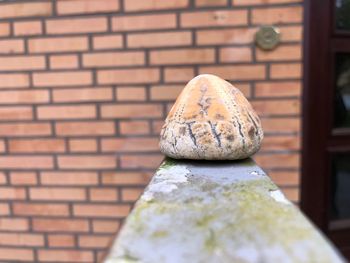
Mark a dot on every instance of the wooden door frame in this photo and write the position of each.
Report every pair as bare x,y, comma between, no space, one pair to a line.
319,139
315,102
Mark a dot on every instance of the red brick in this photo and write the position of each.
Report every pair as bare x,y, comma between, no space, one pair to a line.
23,178
65,255
182,56
241,72
203,3
63,61
131,194
37,146
125,178
108,59
67,112
24,96
141,161
107,42
61,79
68,178
16,113
76,25
11,193
236,54
141,22
283,160
130,145
57,44
134,127
61,240
277,107
25,162
128,76
87,162
86,7
21,239
245,88
2,148
95,241
165,92
14,80
292,194
279,125
291,33
16,254
11,46
4,29
85,128
25,129
15,63
278,89
131,93
136,111
40,209
225,36
60,225
103,194
284,178
263,2
214,18
135,5
280,143
162,39
3,178
101,210
285,70
169,106
281,53
277,15
27,28
105,226
157,126
25,9
83,145
14,224
101,255
4,209
57,194
181,74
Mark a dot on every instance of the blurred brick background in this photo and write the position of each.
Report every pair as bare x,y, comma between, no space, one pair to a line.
84,88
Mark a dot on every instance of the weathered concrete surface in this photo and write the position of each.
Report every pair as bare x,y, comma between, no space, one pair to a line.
217,212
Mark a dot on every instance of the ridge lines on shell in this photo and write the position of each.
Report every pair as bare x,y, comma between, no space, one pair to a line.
211,120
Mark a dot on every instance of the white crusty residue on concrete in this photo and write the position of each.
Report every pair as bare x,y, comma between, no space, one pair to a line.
166,181
279,196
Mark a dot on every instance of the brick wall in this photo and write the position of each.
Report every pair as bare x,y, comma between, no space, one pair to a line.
84,88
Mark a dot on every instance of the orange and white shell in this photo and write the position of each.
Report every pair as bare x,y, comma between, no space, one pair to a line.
211,120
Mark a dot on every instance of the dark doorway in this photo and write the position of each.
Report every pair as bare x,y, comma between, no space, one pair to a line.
325,182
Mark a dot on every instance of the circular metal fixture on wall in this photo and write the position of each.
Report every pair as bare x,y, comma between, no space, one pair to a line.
267,37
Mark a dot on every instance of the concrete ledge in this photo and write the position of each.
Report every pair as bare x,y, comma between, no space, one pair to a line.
217,212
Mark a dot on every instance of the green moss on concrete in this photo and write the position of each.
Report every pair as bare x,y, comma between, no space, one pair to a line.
160,234
167,163
210,242
205,220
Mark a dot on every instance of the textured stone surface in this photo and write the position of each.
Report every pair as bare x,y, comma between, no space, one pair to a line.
211,120
195,212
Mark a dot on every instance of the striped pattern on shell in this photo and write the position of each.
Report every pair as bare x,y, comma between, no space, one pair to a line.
211,120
